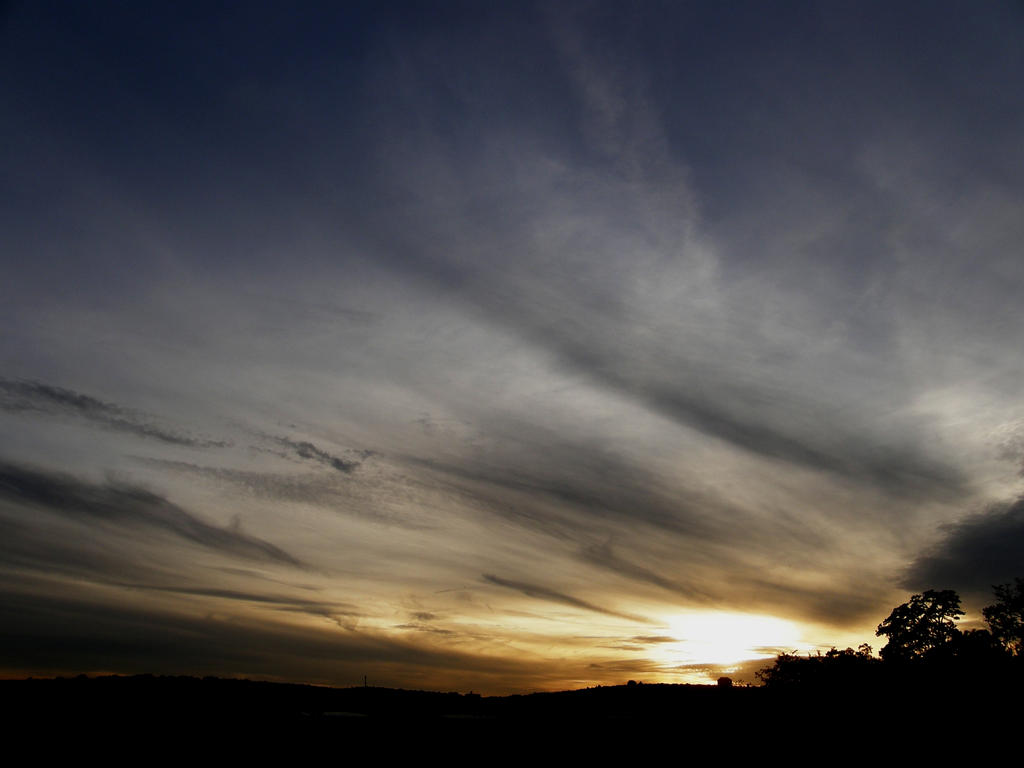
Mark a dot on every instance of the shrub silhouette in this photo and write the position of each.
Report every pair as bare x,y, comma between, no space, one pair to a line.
845,668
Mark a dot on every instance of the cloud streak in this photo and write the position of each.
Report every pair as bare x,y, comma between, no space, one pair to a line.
602,556
23,396
306,450
130,507
539,592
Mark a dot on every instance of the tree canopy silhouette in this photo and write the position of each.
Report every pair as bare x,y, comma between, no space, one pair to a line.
1006,616
925,650
923,627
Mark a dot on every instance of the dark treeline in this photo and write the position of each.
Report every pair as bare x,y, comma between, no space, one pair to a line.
925,651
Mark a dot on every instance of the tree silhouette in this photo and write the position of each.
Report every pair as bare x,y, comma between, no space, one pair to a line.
1006,616
923,627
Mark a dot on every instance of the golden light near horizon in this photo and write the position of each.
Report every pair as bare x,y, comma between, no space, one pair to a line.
723,638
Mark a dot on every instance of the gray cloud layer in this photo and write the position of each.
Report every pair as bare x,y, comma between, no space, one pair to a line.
976,553
128,506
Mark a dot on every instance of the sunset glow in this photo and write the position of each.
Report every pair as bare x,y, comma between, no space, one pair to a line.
502,346
724,639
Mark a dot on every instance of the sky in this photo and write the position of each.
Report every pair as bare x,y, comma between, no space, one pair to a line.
502,346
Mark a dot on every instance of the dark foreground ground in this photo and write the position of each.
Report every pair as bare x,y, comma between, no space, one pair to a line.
132,718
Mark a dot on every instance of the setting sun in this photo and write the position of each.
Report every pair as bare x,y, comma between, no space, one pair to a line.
729,638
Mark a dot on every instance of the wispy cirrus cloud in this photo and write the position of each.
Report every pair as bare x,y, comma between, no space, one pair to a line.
603,556
306,487
34,397
327,491
307,450
540,592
